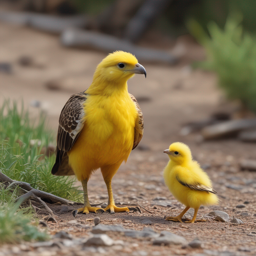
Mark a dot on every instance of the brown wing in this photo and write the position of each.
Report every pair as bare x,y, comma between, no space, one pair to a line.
198,187
139,125
71,122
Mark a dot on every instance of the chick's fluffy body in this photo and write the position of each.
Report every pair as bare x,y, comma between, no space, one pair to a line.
189,172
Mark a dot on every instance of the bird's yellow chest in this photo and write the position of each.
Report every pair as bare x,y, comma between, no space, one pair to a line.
108,134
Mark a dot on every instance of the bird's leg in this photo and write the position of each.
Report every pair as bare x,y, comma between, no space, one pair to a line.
87,207
111,202
194,218
179,217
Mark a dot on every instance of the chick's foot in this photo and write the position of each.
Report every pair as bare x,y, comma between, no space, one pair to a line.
88,209
193,221
113,208
176,219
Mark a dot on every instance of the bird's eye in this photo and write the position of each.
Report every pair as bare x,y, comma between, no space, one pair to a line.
176,152
121,65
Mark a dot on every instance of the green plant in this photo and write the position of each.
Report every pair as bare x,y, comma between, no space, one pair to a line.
15,222
231,54
21,160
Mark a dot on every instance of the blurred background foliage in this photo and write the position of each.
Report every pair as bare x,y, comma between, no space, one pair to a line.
174,19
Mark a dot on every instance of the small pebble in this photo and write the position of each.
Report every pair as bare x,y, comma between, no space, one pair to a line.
96,221
240,206
196,243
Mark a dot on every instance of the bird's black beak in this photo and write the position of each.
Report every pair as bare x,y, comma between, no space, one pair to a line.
167,151
139,69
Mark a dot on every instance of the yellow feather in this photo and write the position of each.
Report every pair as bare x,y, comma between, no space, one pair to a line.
110,114
189,172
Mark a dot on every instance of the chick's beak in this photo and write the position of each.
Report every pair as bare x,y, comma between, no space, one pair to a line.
167,151
139,69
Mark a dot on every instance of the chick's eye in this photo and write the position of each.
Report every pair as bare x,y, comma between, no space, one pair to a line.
176,152
121,65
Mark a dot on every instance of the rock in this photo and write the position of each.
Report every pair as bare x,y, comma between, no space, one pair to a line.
219,216
46,244
240,206
248,164
99,240
146,232
196,243
72,222
96,221
146,222
159,198
101,229
227,129
168,238
248,136
245,214
64,209
217,253
143,147
5,67
164,203
246,202
150,187
62,235
235,187
236,221
244,249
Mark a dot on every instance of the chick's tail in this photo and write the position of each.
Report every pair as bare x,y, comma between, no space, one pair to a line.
212,199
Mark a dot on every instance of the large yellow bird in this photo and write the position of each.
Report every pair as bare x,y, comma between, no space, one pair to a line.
99,127
187,181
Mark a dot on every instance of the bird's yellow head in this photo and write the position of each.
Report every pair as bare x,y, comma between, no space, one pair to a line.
117,68
179,153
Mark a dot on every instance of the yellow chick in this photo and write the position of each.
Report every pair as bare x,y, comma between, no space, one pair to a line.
99,127
187,181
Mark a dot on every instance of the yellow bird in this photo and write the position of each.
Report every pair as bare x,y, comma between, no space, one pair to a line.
99,127
187,181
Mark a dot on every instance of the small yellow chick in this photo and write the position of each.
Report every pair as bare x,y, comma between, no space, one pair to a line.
187,181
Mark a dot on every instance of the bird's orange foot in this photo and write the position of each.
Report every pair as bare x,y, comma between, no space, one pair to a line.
193,221
113,208
88,209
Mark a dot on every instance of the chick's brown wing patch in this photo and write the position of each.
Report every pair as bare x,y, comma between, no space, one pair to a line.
71,122
139,125
197,186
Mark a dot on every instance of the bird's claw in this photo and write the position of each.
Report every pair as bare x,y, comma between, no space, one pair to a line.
87,209
113,209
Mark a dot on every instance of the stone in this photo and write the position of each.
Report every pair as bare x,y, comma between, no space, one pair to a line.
164,203
244,249
64,209
150,187
96,221
240,206
168,238
62,235
146,222
196,243
101,229
159,198
246,202
72,222
46,244
245,214
235,187
219,216
146,232
99,240
236,221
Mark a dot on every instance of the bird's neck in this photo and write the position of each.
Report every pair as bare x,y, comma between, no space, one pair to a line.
103,87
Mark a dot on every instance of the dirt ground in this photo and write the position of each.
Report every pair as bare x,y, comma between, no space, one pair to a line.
169,97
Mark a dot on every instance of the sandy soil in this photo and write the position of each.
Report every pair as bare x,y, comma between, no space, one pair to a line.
169,97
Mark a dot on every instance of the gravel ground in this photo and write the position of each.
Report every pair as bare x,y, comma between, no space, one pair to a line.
169,97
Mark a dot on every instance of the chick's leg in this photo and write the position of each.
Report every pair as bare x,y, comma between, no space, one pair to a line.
179,217
87,207
194,218
108,172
